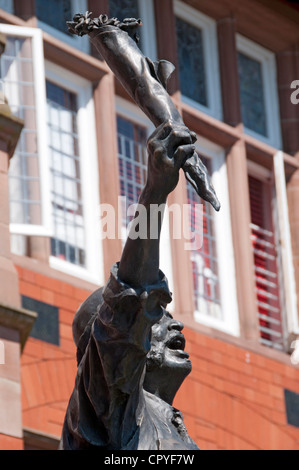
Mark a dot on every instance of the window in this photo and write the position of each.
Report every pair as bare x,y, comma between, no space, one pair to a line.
252,94
52,193
138,9
191,62
132,159
212,263
68,242
265,253
292,407
7,5
133,130
198,59
46,326
52,16
258,89
205,261
55,13
74,196
22,81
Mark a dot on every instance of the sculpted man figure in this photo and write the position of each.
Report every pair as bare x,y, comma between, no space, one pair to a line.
130,350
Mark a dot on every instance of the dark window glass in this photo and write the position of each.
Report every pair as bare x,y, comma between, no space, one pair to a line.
46,326
191,62
54,13
123,9
292,407
252,94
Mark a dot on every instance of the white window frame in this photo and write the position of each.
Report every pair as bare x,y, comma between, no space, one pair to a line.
81,43
282,234
225,254
287,265
45,229
93,272
210,47
269,76
148,28
134,114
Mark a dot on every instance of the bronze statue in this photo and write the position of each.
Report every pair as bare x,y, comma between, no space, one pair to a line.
130,350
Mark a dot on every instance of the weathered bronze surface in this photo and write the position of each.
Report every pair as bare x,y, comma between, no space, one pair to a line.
130,350
144,80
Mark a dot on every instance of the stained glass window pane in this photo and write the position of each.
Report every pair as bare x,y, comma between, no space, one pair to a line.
126,9
204,259
132,159
123,9
191,62
54,13
68,242
252,94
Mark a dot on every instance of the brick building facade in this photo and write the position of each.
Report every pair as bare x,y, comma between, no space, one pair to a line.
237,72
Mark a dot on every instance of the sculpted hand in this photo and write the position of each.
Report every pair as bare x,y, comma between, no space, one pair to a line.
170,145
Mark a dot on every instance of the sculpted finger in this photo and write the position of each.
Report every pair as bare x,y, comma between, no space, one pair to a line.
193,136
179,136
182,154
159,134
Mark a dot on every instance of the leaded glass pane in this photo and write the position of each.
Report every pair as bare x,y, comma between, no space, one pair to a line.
54,13
204,260
123,9
132,158
252,94
191,62
126,9
68,242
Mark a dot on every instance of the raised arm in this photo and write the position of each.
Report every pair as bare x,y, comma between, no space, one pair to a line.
168,148
144,80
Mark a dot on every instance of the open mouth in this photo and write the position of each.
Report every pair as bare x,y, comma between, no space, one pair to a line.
177,342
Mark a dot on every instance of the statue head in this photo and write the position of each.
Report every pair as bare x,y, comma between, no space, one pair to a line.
168,363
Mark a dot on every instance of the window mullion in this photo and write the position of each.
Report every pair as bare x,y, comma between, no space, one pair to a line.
285,246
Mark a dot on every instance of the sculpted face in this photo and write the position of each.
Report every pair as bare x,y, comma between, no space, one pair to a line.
168,345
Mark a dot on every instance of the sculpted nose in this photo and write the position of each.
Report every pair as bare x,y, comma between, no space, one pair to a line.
176,325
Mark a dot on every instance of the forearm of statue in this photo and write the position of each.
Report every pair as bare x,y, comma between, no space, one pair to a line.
144,80
168,149
139,263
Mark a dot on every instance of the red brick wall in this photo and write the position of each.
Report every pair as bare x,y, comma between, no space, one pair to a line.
48,371
233,399
10,443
